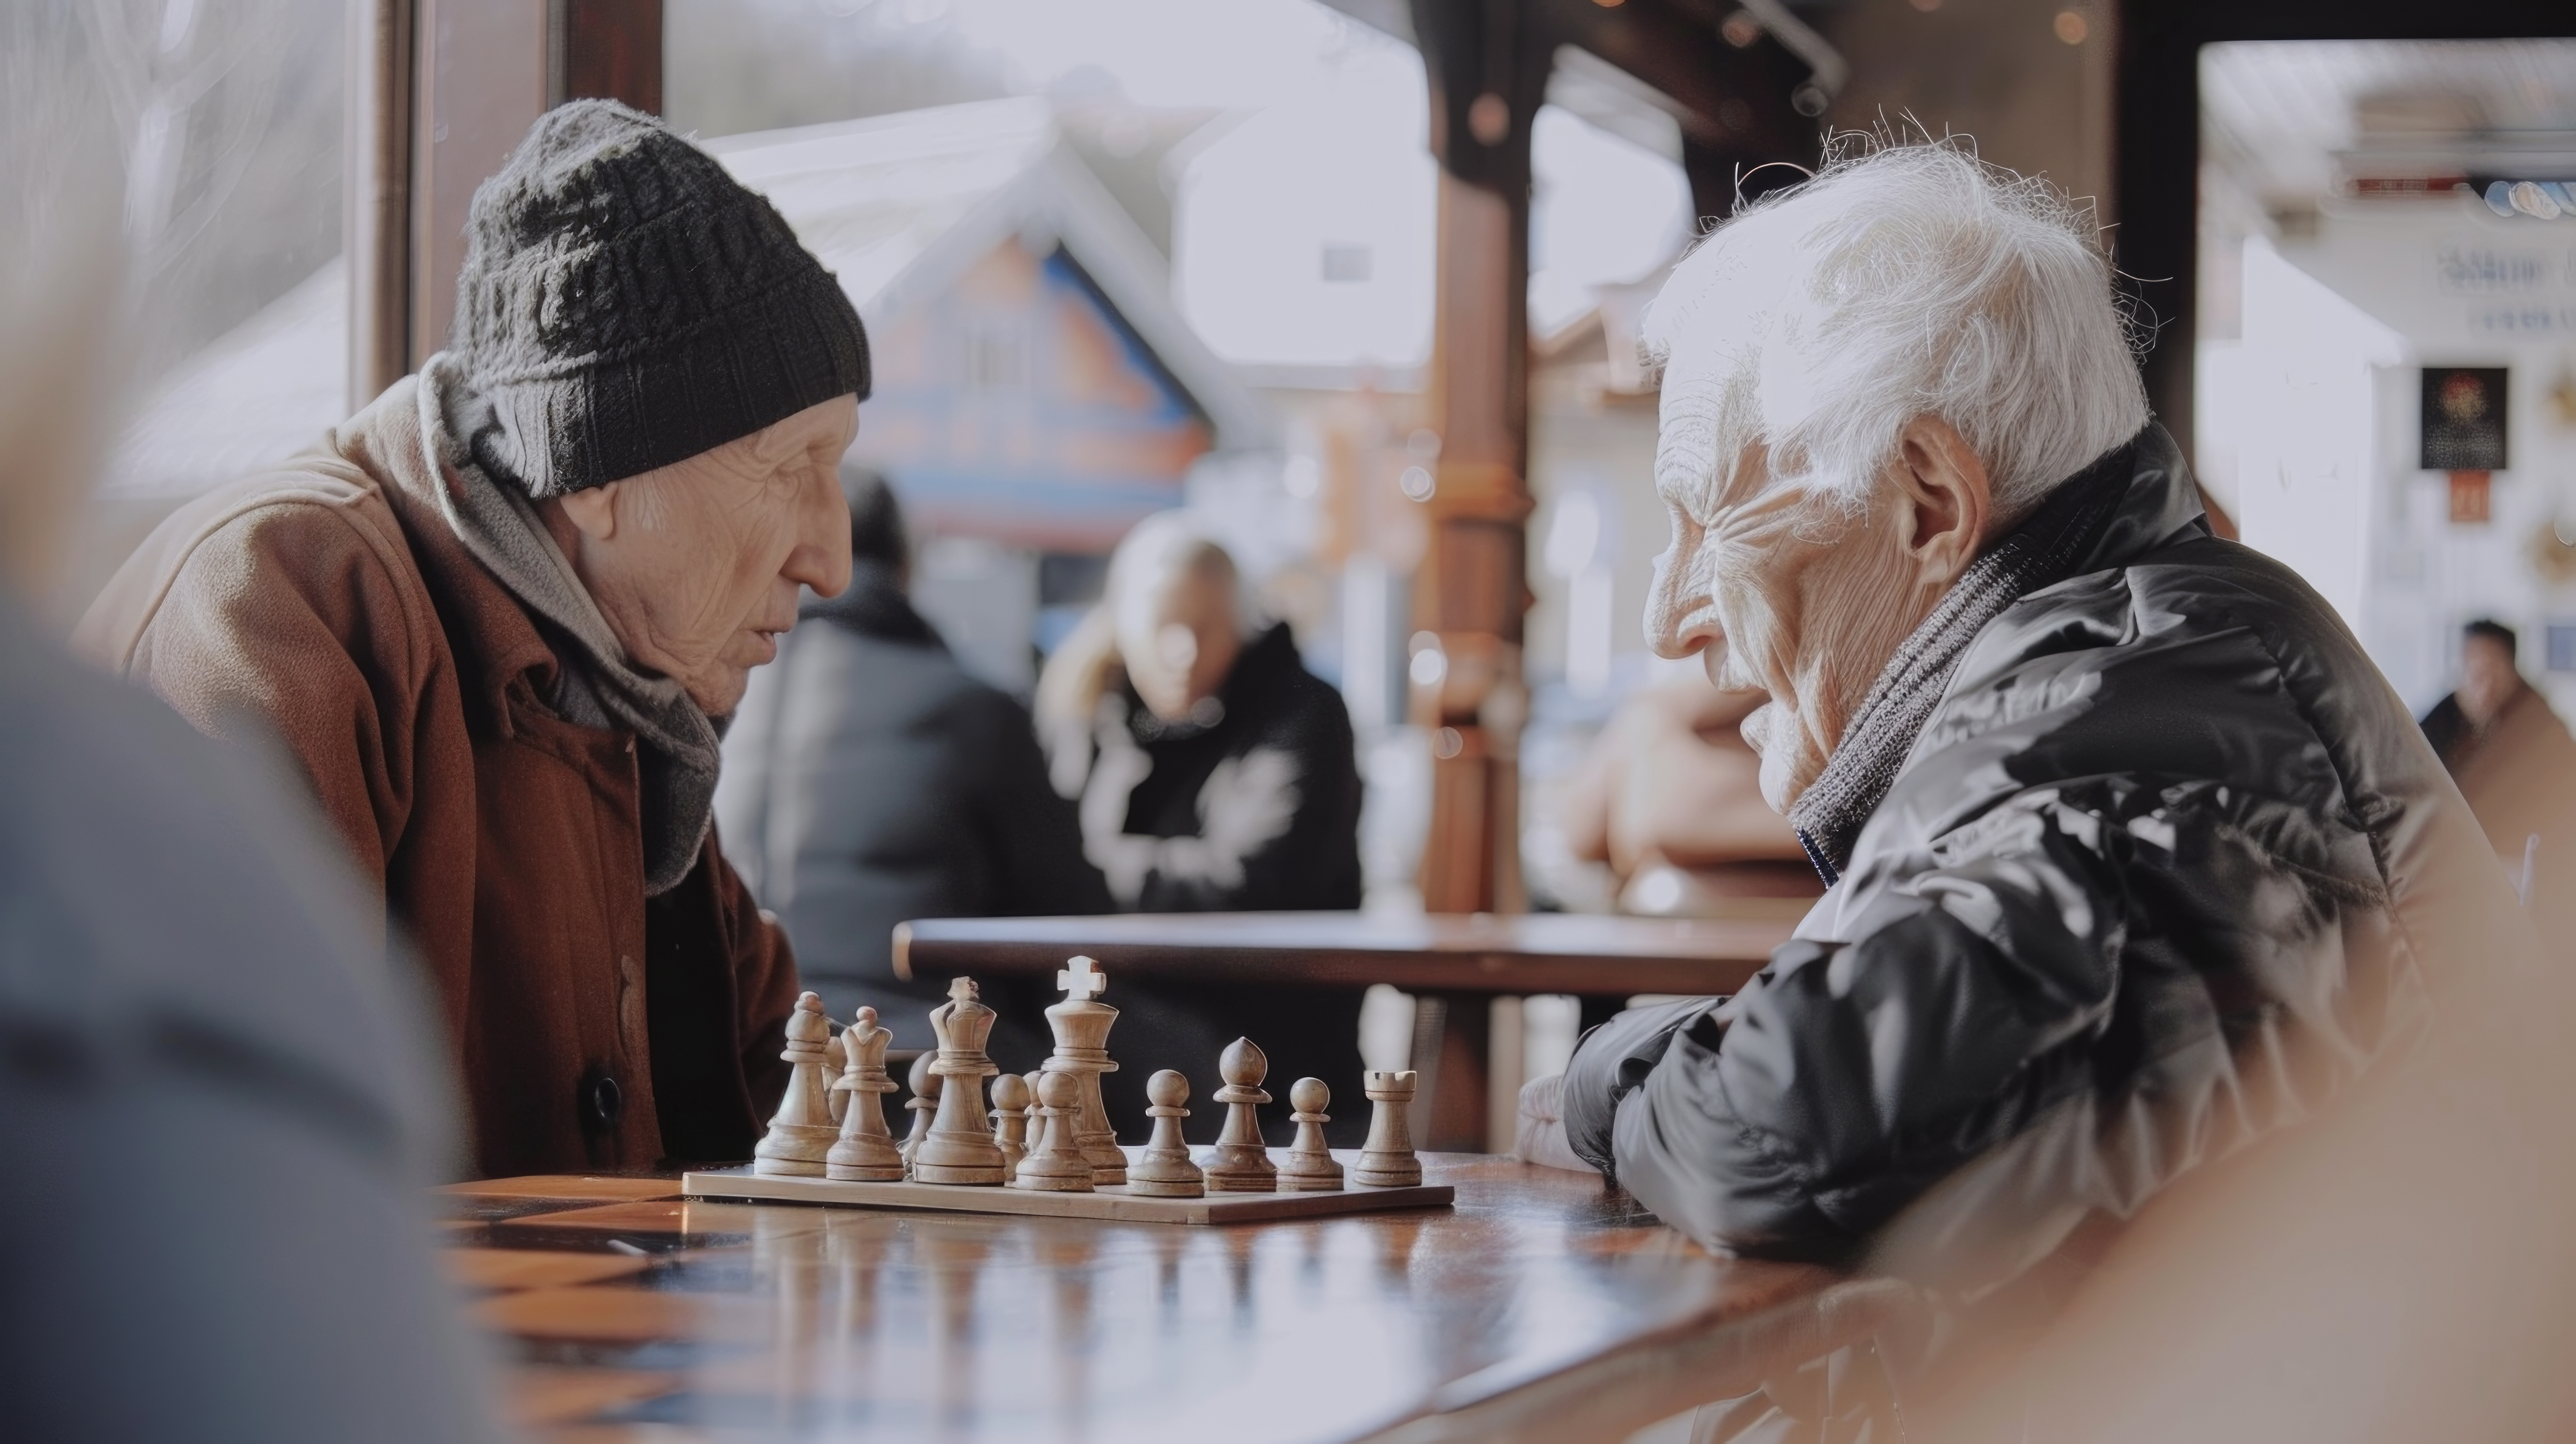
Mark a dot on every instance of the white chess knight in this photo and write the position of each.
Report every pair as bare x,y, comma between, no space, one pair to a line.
959,1147
801,1136
1081,1026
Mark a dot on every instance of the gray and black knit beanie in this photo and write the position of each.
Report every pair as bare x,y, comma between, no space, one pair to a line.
625,304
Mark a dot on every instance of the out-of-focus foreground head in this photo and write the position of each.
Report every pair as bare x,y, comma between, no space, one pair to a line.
1175,601
1866,379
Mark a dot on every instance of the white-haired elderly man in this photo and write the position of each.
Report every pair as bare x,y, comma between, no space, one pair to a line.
2133,855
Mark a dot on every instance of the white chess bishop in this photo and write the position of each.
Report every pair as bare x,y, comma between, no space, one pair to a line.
802,1133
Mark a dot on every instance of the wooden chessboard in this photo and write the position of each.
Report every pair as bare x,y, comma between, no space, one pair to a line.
1114,1202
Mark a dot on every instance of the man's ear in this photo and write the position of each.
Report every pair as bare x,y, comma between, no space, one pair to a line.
592,509
1947,496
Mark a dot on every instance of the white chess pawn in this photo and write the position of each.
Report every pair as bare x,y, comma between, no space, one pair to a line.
1081,1026
1164,1169
1240,1163
866,1152
959,1147
1037,1115
1309,1166
802,1132
1387,1160
923,1102
1057,1165
836,1072
1011,1121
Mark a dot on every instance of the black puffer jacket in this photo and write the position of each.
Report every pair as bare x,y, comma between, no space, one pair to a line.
1256,808
2168,866
871,780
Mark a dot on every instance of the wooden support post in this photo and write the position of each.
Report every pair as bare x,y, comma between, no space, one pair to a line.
1488,72
440,92
481,82
375,229
609,49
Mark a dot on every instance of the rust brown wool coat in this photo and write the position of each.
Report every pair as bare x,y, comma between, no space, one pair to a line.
329,601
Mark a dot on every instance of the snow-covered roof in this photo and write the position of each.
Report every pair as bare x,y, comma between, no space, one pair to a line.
899,205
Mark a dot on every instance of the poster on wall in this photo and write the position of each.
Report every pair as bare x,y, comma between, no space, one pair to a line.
2464,418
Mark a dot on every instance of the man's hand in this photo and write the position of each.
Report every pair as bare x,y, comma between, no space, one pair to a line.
1540,1138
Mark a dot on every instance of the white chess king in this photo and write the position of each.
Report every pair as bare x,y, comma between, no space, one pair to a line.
1081,1025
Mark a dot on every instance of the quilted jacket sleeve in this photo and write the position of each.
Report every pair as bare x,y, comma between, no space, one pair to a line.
1851,1076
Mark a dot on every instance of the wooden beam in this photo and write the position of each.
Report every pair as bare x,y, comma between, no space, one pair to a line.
479,84
2156,137
1736,100
440,92
609,49
1487,63
375,229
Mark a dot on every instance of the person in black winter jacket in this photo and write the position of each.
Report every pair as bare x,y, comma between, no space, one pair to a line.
1215,774
868,779
2134,857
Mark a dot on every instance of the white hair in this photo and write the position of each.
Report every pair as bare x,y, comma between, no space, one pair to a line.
1904,280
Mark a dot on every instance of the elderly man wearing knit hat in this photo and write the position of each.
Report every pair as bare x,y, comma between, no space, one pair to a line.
492,617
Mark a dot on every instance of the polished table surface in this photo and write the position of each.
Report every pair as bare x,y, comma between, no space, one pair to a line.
1540,1307
1479,953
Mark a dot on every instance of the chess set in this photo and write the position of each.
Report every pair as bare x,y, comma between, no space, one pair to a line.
1045,1146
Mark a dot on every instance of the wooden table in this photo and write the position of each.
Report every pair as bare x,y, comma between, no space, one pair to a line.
1450,962
1539,1308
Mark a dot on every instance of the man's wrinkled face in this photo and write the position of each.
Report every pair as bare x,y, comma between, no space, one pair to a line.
1783,591
696,565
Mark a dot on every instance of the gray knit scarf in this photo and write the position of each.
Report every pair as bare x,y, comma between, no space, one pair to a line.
595,685
2043,551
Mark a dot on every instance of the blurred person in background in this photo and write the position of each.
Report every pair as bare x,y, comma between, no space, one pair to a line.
2136,867
868,779
221,1103
2516,764
1215,773
494,616
1670,798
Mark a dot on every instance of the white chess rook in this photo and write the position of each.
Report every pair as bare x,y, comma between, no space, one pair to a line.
866,1152
1240,1163
925,1098
1011,1121
1081,1025
1164,1169
1387,1160
801,1134
959,1147
1309,1166
1057,1164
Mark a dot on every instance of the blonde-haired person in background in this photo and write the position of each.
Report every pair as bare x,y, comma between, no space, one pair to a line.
221,1102
1215,773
